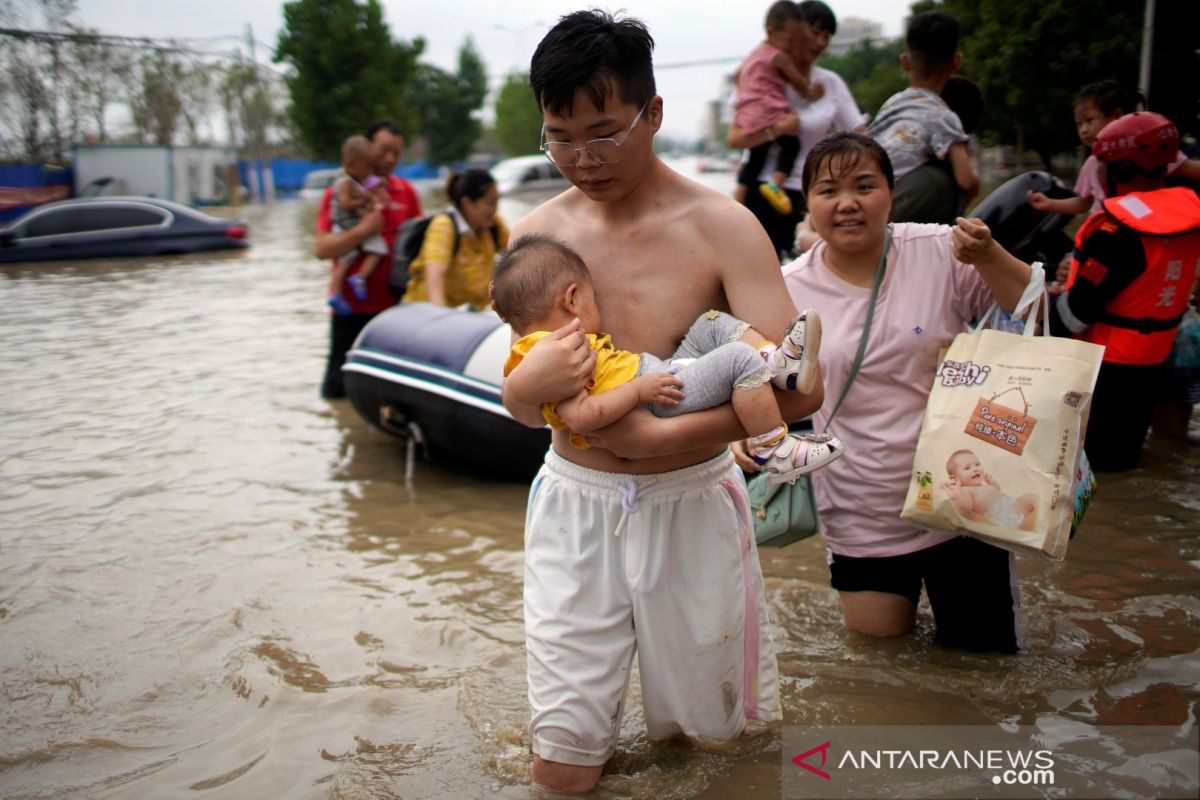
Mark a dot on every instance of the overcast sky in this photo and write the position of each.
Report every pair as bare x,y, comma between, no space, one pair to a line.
504,33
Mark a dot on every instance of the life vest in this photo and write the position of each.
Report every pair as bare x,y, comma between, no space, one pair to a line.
1138,326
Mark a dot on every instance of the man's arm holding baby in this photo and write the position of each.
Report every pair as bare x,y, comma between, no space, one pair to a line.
586,412
555,369
350,197
753,287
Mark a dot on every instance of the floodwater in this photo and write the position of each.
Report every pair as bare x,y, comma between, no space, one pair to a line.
214,584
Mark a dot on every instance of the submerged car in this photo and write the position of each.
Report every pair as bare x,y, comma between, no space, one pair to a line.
316,182
106,227
527,173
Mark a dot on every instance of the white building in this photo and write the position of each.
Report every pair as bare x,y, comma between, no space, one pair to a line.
189,175
853,31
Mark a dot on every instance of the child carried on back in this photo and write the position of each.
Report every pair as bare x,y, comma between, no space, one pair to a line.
540,285
355,191
762,103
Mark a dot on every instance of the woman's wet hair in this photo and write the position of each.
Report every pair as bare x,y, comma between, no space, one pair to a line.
594,51
530,276
842,150
471,184
1111,98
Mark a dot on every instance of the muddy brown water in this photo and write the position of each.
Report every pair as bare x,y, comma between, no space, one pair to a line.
214,584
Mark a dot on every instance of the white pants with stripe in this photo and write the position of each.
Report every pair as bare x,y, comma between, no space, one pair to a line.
664,566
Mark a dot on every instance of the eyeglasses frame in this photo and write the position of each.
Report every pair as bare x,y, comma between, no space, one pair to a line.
544,145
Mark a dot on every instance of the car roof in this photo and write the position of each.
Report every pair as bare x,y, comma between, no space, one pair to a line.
113,200
509,165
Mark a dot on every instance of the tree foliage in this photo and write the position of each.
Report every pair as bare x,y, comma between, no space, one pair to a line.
871,71
1031,57
347,71
518,121
446,105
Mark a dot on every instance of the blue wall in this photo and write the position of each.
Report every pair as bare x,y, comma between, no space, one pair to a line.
289,172
17,176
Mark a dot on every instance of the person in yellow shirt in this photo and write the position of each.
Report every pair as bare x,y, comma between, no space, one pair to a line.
460,246
541,285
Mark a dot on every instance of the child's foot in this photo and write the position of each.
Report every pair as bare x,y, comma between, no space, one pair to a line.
795,360
339,305
800,454
776,197
358,286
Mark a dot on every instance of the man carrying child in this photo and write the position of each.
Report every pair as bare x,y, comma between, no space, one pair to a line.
681,584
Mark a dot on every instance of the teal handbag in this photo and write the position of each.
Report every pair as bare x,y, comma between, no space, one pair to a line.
784,513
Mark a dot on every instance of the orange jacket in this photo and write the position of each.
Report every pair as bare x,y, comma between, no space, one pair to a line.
1138,326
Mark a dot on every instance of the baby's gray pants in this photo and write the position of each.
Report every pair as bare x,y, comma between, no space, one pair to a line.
711,362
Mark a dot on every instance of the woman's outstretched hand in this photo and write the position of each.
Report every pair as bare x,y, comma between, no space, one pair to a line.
972,240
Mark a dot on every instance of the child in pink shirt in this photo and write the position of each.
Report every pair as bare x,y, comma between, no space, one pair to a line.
762,103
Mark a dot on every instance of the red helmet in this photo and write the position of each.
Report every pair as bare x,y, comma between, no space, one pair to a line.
1147,139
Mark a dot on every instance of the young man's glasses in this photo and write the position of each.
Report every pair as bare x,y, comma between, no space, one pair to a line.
602,151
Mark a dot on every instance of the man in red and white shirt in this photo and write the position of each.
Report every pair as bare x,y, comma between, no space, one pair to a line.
387,142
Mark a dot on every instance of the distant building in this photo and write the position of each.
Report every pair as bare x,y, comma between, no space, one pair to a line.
188,175
853,31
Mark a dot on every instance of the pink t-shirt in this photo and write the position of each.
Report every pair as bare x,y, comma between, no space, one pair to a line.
1088,183
926,298
762,96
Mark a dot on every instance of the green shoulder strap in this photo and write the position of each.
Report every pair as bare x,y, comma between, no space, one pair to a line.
862,342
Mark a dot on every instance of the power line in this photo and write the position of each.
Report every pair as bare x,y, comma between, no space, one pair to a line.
171,45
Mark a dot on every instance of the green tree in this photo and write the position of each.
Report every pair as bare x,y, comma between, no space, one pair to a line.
1031,57
346,70
871,71
518,121
446,105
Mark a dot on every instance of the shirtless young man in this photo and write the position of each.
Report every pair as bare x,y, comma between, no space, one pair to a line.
643,542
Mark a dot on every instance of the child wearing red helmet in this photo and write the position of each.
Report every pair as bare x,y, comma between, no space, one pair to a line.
1133,272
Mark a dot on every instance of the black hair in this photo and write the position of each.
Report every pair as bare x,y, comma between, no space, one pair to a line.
1112,98
965,99
530,276
818,15
471,184
384,125
593,51
779,13
846,148
931,41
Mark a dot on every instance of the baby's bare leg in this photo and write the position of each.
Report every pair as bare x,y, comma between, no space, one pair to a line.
757,409
338,277
369,263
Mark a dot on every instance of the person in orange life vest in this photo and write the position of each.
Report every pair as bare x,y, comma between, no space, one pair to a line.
1135,264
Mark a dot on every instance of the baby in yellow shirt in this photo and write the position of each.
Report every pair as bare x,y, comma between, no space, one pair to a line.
539,285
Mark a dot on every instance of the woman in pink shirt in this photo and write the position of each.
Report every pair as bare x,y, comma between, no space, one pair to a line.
937,278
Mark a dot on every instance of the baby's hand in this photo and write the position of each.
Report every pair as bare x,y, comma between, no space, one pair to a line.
987,476
815,91
659,387
952,487
1038,200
